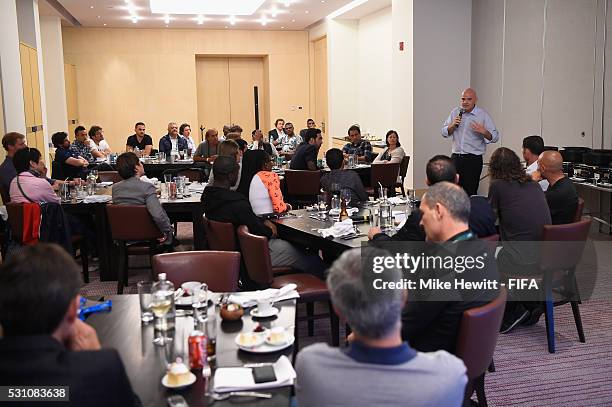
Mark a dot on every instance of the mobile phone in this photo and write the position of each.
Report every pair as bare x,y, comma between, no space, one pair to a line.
177,401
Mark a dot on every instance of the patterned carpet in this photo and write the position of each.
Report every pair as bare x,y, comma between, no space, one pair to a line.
578,374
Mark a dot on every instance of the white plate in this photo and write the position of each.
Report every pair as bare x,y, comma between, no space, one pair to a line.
192,379
273,311
260,336
267,348
577,179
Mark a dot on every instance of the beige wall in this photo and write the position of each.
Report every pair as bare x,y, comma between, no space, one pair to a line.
130,75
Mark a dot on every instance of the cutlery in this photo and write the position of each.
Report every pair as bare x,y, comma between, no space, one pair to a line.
178,293
225,396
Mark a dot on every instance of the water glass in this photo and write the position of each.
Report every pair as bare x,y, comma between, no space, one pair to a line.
65,192
180,187
335,202
182,154
346,195
80,191
211,332
322,206
167,177
189,152
351,161
162,157
144,295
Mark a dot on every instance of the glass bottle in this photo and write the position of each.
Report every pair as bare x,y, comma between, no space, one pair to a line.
343,213
162,305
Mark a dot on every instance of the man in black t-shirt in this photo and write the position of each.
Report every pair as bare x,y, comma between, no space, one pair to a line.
561,195
305,157
143,141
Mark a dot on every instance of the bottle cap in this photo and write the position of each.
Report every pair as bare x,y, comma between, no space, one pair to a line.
161,276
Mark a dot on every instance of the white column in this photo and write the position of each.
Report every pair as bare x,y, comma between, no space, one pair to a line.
402,112
53,62
10,69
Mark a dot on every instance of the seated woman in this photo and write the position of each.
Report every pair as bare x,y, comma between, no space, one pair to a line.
28,186
133,191
394,153
265,194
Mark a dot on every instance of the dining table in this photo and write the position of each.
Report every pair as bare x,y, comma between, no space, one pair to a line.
186,209
146,363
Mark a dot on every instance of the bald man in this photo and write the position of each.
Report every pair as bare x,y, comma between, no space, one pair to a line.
561,195
471,129
171,143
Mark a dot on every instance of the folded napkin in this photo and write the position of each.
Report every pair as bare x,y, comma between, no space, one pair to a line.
397,200
241,378
339,229
149,180
249,298
197,187
97,198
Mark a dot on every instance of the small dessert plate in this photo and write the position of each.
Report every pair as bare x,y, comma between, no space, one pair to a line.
192,379
249,340
257,314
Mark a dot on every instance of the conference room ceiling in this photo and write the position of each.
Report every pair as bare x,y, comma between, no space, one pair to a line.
277,14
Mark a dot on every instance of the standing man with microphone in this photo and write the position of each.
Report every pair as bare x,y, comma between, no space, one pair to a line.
471,129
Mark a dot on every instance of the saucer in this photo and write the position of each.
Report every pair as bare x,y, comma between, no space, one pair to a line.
192,379
273,311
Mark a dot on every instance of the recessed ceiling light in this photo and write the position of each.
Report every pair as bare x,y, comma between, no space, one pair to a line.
99,16
282,27
287,3
232,20
105,24
225,26
206,7
200,19
274,12
91,6
293,21
322,1
166,25
306,11
167,19
134,19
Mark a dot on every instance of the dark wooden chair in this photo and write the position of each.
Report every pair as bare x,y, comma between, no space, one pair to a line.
386,174
476,343
302,186
128,224
256,257
79,242
192,174
579,210
403,170
218,269
561,251
220,236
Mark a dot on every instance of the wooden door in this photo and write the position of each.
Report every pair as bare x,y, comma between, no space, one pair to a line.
320,86
212,81
26,79
72,106
244,75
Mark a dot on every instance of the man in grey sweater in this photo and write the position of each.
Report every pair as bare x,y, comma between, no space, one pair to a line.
133,191
378,369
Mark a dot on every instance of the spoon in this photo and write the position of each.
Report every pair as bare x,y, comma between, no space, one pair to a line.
225,396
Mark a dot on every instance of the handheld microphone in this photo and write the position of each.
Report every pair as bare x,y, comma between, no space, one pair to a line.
461,111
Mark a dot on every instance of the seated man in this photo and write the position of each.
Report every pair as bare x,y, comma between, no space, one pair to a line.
172,143
277,132
12,142
533,146
561,195
139,140
345,178
133,191
70,164
305,157
231,148
361,148
80,147
44,343
260,144
433,325
310,124
99,146
208,150
441,168
223,205
289,141
378,368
